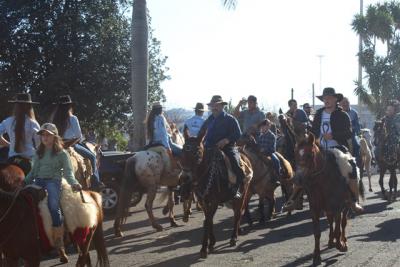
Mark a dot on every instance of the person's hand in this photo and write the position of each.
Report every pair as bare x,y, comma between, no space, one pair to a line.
222,143
76,187
328,136
242,102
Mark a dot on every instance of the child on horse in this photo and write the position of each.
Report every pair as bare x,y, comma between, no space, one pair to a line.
51,163
266,141
21,129
69,128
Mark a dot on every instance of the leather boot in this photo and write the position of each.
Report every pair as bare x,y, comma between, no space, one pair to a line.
58,240
355,206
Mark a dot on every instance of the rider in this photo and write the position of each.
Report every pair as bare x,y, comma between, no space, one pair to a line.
157,133
21,128
50,163
355,126
333,127
249,118
308,110
392,125
194,123
69,128
266,141
296,114
223,131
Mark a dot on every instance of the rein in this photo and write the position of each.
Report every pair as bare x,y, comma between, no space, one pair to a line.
11,205
10,234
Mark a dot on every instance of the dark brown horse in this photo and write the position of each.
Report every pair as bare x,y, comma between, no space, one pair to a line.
25,243
385,162
327,192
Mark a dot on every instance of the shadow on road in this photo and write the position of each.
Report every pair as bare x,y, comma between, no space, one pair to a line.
388,231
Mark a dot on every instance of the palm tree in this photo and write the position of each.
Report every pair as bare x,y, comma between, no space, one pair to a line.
140,64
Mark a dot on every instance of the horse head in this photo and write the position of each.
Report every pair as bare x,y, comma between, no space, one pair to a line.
11,177
246,139
306,155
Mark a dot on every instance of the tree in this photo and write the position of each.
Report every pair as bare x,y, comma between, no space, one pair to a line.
381,23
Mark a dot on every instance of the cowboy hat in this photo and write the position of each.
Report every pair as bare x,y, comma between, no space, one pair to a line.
329,91
156,105
217,99
64,100
48,128
23,98
199,107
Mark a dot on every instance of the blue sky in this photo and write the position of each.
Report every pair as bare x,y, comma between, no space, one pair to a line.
263,47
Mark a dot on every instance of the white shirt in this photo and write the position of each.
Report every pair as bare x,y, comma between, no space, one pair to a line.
73,130
194,125
326,128
31,140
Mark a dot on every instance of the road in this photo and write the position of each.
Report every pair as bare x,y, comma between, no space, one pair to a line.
283,241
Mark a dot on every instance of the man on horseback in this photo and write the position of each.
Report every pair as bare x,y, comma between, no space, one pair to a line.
298,115
333,127
249,118
223,131
392,125
193,125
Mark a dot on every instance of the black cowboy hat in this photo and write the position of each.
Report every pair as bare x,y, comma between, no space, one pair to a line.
329,91
64,100
199,107
217,99
156,105
23,98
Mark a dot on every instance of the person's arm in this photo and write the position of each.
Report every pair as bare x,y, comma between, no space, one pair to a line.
76,128
236,111
32,174
357,127
234,132
3,130
270,144
68,172
345,132
162,128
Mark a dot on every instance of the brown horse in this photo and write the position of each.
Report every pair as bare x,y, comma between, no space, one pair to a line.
385,162
327,192
11,178
261,183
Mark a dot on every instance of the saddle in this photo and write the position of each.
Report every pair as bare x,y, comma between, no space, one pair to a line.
79,217
245,166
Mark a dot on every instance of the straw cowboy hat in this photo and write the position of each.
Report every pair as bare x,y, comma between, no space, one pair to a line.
23,98
217,99
329,91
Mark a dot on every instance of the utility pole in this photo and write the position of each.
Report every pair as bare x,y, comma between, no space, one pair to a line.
313,97
292,92
320,72
360,48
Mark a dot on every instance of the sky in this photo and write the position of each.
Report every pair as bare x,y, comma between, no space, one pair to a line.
262,47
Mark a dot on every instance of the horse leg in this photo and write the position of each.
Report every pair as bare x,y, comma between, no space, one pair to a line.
170,204
186,209
207,218
84,257
262,219
391,184
331,242
368,169
382,171
395,186
338,235
344,224
211,236
317,237
151,194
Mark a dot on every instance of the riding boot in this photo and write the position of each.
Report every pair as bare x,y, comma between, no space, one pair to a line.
58,240
355,206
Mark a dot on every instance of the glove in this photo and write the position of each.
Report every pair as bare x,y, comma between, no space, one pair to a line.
76,187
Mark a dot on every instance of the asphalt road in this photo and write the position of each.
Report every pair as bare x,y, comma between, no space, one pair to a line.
283,241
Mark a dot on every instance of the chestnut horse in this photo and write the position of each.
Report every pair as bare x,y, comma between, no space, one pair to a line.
11,178
327,191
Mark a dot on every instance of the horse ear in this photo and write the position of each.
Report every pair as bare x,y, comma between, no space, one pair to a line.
311,139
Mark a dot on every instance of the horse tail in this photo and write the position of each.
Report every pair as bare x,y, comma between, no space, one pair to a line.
98,236
361,189
126,190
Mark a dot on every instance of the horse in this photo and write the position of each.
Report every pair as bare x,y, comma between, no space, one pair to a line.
366,157
261,183
144,172
384,164
176,135
77,217
327,192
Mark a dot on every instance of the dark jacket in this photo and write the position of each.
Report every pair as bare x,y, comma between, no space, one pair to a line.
340,124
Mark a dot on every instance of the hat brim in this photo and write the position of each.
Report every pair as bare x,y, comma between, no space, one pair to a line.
219,102
64,103
23,102
40,132
339,97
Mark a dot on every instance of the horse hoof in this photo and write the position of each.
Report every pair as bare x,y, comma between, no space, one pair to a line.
317,260
262,222
165,210
342,248
174,224
331,244
158,227
190,211
210,249
203,254
370,190
185,219
232,243
118,233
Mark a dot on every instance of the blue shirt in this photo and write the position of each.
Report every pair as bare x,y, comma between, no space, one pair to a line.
73,130
194,125
160,134
31,139
299,116
267,142
251,118
223,126
355,124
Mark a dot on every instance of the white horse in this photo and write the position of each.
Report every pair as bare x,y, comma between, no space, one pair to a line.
366,155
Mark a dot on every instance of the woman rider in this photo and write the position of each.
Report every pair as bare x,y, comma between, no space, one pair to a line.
157,132
68,126
21,129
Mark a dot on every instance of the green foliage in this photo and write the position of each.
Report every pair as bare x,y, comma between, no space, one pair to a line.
381,22
82,48
113,134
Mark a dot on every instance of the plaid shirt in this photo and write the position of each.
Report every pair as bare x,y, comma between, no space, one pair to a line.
267,142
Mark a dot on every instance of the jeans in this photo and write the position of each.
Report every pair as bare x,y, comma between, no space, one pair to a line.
87,154
234,158
176,149
53,188
277,166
